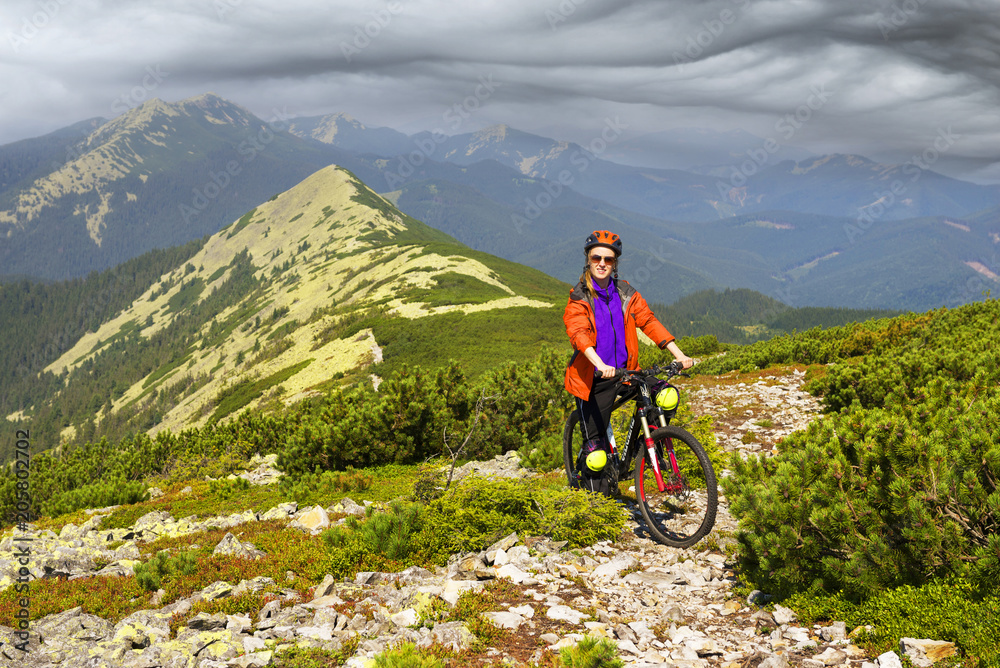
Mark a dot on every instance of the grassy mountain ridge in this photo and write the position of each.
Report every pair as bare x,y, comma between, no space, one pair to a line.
289,299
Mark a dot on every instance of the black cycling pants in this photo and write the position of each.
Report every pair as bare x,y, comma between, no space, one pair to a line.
596,411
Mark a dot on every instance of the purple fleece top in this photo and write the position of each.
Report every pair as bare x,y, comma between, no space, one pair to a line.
610,323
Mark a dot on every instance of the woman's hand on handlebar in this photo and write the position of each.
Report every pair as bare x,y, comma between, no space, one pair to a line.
605,371
686,362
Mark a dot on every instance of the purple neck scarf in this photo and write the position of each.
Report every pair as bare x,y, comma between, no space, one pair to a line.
610,322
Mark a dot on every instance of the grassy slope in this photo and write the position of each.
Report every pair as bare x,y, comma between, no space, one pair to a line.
325,253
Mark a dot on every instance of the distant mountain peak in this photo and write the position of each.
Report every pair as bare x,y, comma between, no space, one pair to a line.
497,132
218,110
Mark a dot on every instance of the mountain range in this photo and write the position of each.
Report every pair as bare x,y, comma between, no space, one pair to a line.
833,230
315,287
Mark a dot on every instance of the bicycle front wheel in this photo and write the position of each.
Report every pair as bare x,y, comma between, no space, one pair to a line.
684,512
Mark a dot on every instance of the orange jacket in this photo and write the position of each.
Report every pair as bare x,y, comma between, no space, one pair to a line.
582,331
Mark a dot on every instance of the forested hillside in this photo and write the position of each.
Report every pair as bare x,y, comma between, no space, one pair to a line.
41,321
321,286
744,316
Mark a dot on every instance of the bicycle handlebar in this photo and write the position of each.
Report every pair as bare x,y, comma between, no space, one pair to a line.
675,368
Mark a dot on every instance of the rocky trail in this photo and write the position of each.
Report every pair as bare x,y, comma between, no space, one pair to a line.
662,606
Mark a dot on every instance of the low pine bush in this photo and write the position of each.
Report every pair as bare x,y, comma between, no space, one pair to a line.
97,495
151,574
225,489
545,454
380,541
898,485
591,652
406,655
477,512
322,486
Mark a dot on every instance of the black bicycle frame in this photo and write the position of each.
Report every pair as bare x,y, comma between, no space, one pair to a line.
644,410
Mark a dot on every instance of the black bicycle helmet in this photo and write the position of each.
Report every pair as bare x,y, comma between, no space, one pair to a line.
606,239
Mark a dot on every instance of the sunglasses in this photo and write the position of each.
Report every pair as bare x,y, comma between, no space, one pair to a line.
606,259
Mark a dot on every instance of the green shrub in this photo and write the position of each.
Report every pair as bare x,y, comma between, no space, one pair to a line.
97,495
899,487
381,541
321,486
545,454
151,574
940,611
313,657
477,512
225,489
406,655
950,611
700,346
581,518
390,533
591,652
404,421
430,483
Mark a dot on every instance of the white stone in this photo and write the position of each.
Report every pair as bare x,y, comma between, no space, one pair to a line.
407,617
565,613
454,588
831,657
924,653
315,632
315,519
614,567
626,645
514,574
783,615
889,660
525,611
505,620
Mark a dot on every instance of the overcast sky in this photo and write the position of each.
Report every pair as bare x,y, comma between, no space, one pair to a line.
871,77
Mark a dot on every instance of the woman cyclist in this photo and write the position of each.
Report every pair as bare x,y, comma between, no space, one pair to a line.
601,319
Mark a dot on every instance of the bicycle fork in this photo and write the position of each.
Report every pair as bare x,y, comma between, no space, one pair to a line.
651,450
655,461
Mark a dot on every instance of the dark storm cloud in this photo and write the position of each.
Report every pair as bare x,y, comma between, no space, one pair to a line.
893,72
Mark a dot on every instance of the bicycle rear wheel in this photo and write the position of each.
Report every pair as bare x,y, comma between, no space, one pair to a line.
684,512
573,441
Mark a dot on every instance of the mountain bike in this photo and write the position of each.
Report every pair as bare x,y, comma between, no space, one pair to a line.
674,483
